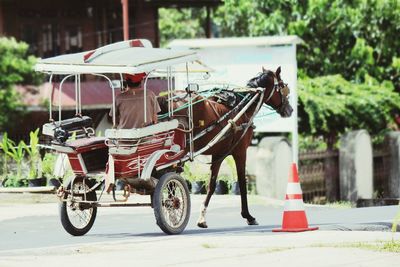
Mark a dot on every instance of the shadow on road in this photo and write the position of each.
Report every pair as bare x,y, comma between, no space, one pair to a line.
193,232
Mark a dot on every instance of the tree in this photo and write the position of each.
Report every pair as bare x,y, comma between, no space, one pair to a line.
255,18
353,38
16,66
330,105
180,24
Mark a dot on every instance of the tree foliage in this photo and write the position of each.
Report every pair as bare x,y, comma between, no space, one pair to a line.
357,39
180,23
330,105
353,38
16,66
254,18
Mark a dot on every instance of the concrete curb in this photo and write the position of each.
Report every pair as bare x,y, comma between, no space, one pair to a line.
39,189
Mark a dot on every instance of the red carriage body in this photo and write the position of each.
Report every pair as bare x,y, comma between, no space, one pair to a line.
90,155
148,158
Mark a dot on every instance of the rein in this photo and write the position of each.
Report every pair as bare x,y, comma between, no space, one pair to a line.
249,124
272,92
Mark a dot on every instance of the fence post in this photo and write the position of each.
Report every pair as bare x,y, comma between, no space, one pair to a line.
355,164
393,183
331,177
274,158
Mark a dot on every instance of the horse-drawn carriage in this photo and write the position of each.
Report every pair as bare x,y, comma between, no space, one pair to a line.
150,159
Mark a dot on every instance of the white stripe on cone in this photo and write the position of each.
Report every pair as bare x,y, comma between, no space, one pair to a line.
294,205
293,188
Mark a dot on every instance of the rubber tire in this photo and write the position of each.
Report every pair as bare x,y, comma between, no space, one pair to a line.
65,221
157,197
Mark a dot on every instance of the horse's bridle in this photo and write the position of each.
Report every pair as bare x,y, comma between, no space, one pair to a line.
283,89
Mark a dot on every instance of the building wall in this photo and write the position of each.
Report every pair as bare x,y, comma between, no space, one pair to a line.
66,26
144,18
57,27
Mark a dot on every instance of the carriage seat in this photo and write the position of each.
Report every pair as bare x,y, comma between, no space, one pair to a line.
84,142
75,145
138,133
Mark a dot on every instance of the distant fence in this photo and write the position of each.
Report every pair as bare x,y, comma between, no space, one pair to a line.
381,167
319,174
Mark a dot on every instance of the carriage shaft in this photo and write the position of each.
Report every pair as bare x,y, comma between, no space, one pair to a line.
217,138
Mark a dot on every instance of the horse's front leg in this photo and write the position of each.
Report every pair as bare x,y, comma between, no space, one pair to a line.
201,222
240,160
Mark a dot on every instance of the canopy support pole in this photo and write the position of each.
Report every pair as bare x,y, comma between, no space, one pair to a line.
60,93
51,98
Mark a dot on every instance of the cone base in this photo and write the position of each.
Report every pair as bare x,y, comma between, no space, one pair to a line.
293,230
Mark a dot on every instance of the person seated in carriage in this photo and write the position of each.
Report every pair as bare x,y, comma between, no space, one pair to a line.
130,105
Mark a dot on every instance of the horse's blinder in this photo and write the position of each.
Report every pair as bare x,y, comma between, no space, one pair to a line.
284,92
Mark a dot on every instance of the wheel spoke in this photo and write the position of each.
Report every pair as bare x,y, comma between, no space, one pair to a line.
171,188
79,218
173,203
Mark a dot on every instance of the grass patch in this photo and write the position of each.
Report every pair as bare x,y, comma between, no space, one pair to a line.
396,221
205,245
340,205
272,250
382,246
391,246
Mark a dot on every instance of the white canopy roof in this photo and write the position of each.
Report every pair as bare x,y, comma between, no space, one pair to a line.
195,66
236,41
122,57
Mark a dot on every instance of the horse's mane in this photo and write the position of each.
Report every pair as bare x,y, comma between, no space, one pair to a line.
260,80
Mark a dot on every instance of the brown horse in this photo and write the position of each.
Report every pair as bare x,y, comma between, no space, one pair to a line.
207,114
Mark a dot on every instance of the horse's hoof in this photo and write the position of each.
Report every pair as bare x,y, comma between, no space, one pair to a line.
202,225
252,222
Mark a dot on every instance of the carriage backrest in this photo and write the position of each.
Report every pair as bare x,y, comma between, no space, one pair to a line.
138,133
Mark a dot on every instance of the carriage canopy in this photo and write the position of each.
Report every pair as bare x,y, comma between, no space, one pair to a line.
122,57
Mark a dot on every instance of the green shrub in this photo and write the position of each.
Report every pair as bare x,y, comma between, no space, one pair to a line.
16,67
48,163
196,171
33,150
17,154
330,105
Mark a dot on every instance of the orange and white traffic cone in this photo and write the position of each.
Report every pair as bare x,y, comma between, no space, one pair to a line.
294,215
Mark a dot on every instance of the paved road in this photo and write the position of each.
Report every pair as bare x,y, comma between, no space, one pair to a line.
33,233
40,225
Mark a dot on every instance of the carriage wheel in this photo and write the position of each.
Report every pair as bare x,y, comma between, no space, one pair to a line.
78,218
171,202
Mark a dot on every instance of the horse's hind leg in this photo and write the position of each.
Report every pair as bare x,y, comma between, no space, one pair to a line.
201,222
240,160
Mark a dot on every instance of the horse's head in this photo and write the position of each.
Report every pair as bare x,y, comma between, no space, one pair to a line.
276,91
